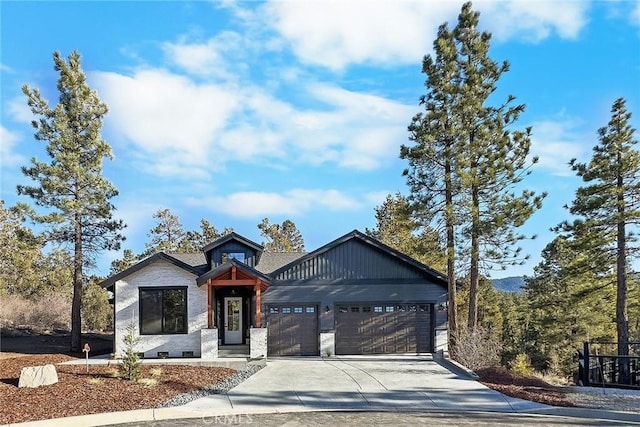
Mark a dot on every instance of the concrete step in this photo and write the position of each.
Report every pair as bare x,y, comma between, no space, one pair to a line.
233,350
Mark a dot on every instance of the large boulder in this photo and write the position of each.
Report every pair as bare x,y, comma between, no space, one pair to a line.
36,376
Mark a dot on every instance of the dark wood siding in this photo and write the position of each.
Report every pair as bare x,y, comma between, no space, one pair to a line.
351,260
292,330
230,247
383,328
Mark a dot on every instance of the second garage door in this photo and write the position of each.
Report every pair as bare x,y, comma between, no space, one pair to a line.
292,330
385,328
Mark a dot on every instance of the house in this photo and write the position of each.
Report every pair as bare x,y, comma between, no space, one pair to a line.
354,295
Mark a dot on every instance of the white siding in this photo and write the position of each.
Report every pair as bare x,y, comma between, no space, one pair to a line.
127,308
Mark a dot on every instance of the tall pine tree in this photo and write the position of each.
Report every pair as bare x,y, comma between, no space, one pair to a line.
609,208
495,160
434,158
71,186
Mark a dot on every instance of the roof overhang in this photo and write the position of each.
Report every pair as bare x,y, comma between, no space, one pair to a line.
234,273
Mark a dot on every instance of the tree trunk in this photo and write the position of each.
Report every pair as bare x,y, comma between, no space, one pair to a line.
474,275
76,320
451,257
622,322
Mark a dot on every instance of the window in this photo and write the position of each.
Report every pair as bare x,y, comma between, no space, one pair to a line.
238,256
310,309
274,310
297,309
286,310
388,309
355,309
163,311
377,309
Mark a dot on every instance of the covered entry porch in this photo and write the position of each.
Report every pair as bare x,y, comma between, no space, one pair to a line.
234,318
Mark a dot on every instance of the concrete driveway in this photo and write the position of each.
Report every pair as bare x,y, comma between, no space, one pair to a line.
358,383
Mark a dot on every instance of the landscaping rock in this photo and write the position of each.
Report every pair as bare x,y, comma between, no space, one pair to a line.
36,376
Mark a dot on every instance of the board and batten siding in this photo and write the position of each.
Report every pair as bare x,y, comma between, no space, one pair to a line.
351,260
127,310
328,294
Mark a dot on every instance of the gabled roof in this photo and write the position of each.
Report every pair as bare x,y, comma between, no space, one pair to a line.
271,261
355,234
232,236
160,256
229,264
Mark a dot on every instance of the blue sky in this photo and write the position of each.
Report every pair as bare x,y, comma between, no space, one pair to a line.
236,111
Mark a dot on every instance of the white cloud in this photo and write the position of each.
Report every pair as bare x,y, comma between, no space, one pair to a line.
336,34
533,20
206,59
5,68
19,110
635,14
8,157
255,204
556,143
184,128
172,119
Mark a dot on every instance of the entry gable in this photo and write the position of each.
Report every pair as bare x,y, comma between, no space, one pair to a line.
234,273
232,246
356,256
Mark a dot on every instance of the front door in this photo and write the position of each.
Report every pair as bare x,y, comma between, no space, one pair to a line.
233,320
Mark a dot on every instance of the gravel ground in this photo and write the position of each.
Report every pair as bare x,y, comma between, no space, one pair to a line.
612,399
219,388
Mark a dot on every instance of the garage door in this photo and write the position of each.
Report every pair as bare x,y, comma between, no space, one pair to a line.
292,330
384,328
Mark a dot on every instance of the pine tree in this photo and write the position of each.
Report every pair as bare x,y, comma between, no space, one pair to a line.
434,157
569,302
396,227
19,254
495,159
71,187
167,235
608,207
281,238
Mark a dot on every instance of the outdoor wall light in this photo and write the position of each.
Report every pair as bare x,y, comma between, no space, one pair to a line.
326,309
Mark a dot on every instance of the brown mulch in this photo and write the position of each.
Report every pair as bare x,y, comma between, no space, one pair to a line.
523,387
75,394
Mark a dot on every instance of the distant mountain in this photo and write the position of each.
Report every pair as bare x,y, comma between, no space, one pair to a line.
509,284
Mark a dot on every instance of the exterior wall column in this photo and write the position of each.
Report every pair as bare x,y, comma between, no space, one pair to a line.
209,305
258,322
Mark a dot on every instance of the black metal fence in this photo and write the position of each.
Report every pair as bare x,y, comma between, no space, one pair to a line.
599,365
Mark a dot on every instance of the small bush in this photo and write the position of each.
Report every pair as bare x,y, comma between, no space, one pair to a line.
521,365
94,381
131,365
148,382
476,349
156,373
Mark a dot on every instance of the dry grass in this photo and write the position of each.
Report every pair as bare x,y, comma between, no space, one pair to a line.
50,312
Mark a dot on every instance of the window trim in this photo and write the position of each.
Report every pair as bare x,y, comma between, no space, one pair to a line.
163,289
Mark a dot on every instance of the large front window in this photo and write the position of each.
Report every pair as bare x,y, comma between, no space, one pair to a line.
163,311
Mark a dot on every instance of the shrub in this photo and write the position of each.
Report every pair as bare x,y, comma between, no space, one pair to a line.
477,349
148,382
97,313
130,368
521,365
